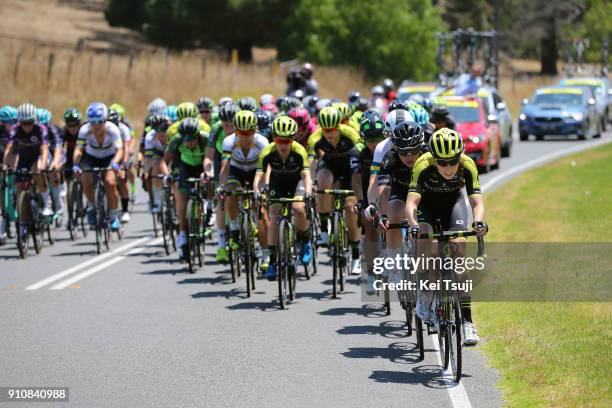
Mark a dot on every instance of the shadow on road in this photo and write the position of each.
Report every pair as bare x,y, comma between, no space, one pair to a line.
228,294
394,352
430,376
367,310
262,306
392,329
213,281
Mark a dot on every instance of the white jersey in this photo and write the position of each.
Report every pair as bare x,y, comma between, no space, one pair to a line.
153,146
237,158
109,146
379,153
126,133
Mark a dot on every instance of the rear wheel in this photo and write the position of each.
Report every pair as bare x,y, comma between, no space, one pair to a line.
283,263
23,233
247,252
192,235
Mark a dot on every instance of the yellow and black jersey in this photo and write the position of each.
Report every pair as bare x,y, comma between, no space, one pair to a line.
291,167
426,179
349,139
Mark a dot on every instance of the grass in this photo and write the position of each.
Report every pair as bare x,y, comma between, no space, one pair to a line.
552,354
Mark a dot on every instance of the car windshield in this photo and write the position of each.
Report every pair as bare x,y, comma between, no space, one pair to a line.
463,114
404,96
558,99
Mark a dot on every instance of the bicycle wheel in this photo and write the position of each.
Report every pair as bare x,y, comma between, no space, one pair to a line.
340,244
199,232
71,208
453,339
81,209
292,266
171,217
23,234
334,258
231,255
192,231
153,215
98,230
37,224
245,231
283,263
164,227
418,327
103,220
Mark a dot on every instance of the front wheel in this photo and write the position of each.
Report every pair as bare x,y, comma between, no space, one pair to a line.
453,340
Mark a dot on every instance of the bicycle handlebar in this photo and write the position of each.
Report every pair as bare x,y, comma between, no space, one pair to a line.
332,191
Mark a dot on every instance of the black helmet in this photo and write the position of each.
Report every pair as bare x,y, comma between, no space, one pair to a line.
204,103
395,104
362,104
353,96
160,123
189,129
247,103
72,116
388,85
113,116
227,112
282,103
371,126
263,119
439,111
407,136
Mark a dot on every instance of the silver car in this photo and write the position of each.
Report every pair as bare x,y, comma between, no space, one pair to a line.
497,113
601,91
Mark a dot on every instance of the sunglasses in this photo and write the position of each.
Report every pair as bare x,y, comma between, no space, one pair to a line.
205,111
27,122
329,129
97,121
244,132
283,141
161,129
447,163
411,152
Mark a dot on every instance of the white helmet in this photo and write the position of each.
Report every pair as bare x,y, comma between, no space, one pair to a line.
26,113
157,106
396,117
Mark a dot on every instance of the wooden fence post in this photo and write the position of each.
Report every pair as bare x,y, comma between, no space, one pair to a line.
109,60
50,67
69,71
16,72
130,65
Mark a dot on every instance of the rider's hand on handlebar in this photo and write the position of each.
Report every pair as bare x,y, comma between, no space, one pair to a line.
115,166
480,228
414,231
383,222
370,212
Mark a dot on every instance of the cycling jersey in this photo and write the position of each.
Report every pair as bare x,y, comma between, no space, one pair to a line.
217,135
395,174
4,136
348,139
183,154
173,130
236,156
109,145
126,133
379,153
285,170
54,136
28,145
361,163
154,148
426,181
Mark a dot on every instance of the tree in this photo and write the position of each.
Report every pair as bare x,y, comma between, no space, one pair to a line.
130,14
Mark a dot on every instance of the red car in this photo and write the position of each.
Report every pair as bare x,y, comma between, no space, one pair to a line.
481,139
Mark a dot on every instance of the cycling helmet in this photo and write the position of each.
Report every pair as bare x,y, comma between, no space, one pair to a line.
396,117
156,106
247,103
224,100
411,105
284,126
113,116
293,102
170,112
362,104
8,114
97,112
204,103
266,99
227,112
301,116
343,108
282,103
264,118
353,96
388,85
187,110
160,123
245,120
189,129
323,103
378,91
307,70
329,118
372,127
43,116
119,108
407,136
420,116
439,111
446,144
397,105
26,113
418,98
427,105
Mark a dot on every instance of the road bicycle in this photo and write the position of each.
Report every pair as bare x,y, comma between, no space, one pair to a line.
30,221
77,211
194,216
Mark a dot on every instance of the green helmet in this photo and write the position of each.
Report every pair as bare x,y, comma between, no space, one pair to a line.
245,120
446,144
329,118
284,126
72,116
187,110
119,109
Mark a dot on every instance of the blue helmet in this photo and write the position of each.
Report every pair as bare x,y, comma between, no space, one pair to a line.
8,114
97,112
420,116
43,116
170,112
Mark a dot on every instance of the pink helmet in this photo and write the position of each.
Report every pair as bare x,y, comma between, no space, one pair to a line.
301,116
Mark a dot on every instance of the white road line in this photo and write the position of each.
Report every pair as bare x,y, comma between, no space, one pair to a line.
542,160
98,268
85,264
456,391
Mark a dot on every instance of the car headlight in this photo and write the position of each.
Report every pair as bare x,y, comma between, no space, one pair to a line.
476,138
522,116
577,116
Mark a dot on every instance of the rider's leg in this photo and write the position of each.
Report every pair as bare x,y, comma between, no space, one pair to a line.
325,179
110,186
274,213
354,235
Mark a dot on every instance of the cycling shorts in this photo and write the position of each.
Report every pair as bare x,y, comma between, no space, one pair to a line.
342,173
89,162
240,177
284,189
185,171
453,214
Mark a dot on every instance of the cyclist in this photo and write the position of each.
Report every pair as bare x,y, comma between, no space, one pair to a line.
122,182
393,180
205,106
437,186
155,147
284,167
264,122
55,161
70,133
186,151
131,155
212,167
441,118
332,146
421,116
372,131
306,127
188,110
241,152
99,144
8,117
28,140
389,88
247,103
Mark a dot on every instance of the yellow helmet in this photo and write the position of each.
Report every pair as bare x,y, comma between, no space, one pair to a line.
446,144
245,120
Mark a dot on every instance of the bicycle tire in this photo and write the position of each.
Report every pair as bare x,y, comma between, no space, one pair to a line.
418,326
246,250
23,242
98,231
230,255
70,208
199,233
81,209
292,265
191,234
282,264
164,227
36,223
103,221
409,313
340,249
453,340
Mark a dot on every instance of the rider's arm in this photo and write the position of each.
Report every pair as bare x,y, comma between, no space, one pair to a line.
7,151
305,173
356,185
412,203
478,209
225,160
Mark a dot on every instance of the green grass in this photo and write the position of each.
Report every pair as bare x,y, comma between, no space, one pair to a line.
552,354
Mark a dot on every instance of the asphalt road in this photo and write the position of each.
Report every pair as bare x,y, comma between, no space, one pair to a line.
135,329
